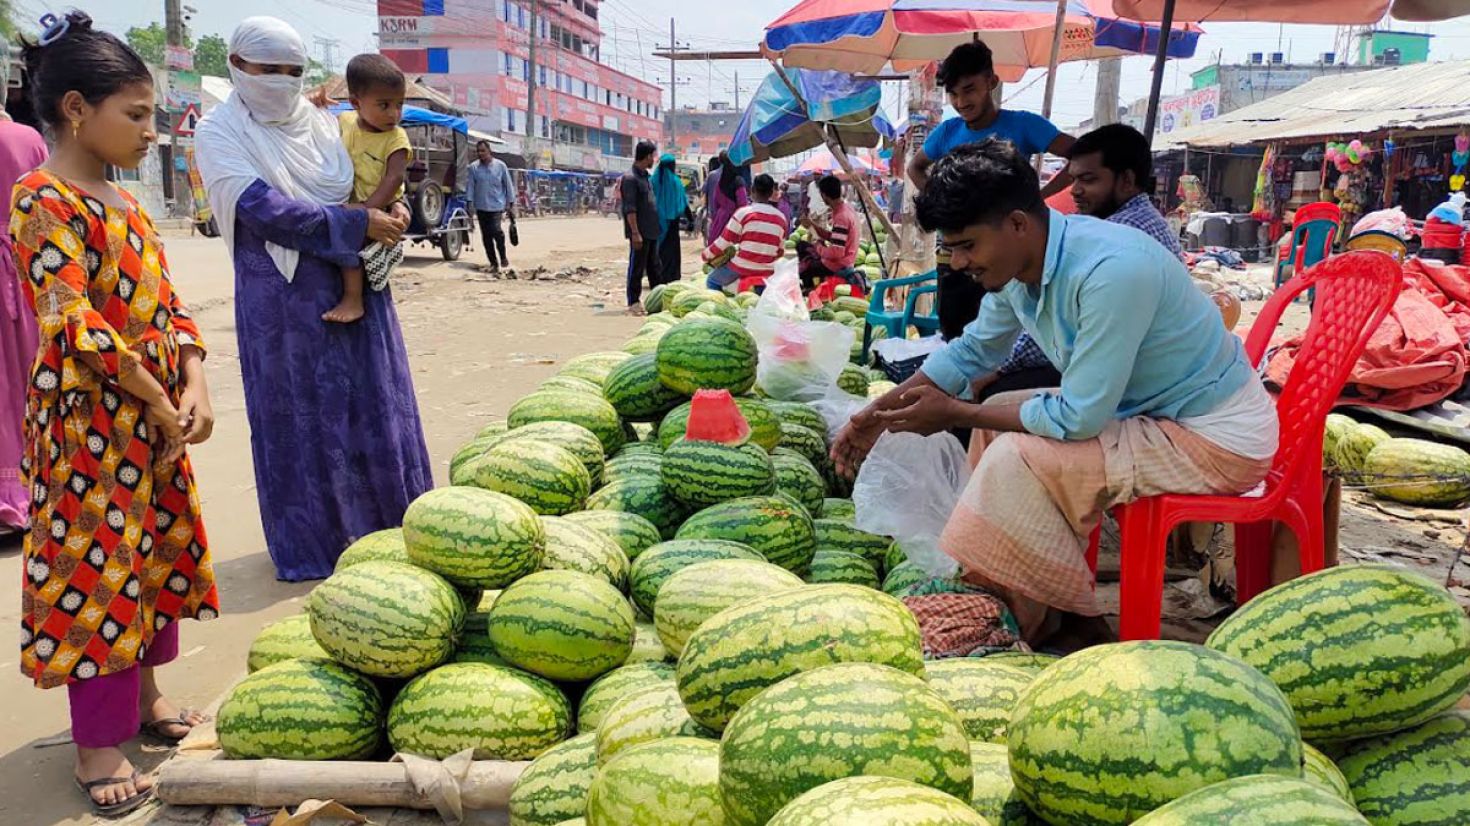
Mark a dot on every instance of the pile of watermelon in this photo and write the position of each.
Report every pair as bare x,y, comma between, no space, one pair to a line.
1411,471
661,600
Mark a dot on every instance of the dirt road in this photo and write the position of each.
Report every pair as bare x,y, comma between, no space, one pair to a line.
476,346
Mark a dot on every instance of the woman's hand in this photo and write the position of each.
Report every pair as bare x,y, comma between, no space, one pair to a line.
165,433
196,414
385,228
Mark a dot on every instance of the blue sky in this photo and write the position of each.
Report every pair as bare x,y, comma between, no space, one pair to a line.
633,27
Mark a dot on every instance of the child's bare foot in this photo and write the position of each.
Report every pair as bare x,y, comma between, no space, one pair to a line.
347,311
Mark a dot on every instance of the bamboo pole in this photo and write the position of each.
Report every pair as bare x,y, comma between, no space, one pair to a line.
274,783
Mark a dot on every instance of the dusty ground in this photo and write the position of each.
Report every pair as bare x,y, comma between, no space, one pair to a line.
476,346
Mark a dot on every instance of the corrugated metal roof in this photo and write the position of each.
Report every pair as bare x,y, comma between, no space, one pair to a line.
1422,96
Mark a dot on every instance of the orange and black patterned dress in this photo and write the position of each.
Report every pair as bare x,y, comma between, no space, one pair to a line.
116,549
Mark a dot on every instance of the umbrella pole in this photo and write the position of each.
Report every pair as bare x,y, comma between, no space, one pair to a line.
1166,28
864,196
1051,69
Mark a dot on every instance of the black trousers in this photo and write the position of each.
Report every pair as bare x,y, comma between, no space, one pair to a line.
642,260
669,264
493,236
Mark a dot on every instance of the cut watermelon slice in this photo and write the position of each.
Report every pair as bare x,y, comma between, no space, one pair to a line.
713,417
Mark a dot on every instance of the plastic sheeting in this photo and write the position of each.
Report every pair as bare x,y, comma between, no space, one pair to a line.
777,125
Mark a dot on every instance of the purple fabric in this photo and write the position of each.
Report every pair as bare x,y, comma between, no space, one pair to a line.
21,150
104,710
334,425
722,210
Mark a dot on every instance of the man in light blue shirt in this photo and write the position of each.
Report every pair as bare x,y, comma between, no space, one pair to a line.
1151,380
492,195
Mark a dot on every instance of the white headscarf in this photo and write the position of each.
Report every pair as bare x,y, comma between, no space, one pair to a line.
266,130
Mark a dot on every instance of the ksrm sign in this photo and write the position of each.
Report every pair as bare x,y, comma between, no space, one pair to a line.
408,30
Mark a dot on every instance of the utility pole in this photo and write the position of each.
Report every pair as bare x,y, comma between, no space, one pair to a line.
737,90
673,89
530,147
173,16
327,47
1109,84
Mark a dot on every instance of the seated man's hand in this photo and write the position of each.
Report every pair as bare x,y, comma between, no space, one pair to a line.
978,385
855,440
926,410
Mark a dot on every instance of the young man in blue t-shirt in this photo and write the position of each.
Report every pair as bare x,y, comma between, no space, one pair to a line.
969,78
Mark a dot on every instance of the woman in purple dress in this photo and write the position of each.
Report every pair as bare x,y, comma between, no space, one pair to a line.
335,434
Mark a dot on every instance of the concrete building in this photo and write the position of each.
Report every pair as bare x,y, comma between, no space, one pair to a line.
477,52
702,133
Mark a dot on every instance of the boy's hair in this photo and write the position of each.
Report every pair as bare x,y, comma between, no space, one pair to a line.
830,186
967,60
373,71
978,183
1123,149
644,150
764,186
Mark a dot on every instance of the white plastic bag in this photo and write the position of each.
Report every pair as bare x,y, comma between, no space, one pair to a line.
837,408
907,489
800,359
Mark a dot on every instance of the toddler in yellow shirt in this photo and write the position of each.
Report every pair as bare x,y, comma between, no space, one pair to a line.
380,154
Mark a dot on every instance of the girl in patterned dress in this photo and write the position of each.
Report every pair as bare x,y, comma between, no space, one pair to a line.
116,554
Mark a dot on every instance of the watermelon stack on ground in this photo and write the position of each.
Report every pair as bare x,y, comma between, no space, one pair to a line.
631,532
614,686
634,390
554,787
1260,800
284,639
549,478
1417,776
563,625
573,547
301,710
582,442
650,713
876,801
473,537
643,495
693,594
700,474
670,782
707,355
585,409
501,713
386,619
657,564
775,526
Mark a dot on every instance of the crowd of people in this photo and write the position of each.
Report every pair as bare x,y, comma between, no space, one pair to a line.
1128,384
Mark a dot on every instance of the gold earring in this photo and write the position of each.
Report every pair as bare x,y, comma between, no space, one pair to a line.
75,125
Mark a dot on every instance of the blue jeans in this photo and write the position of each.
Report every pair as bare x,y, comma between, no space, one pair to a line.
721,277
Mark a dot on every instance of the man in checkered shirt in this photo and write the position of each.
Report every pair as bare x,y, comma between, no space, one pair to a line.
1112,174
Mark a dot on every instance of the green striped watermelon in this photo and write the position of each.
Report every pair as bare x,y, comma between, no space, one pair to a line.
876,801
700,474
554,787
582,442
747,647
473,537
563,625
585,409
901,581
829,566
688,301
655,565
798,413
639,448
387,545
839,534
693,594
636,464
631,532
1320,769
301,710
765,426
1359,650
646,714
634,390
983,693
707,355
474,642
653,300
459,473
284,639
854,380
1083,750
1259,800
810,443
995,794
673,425
775,526
615,685
501,713
386,619
593,367
647,647
572,547
645,496
545,476
1031,662
571,383
894,556
670,782
796,478
834,722
492,429
1417,777
841,510
644,343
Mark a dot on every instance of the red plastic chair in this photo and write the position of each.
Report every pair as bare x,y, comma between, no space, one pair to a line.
1354,294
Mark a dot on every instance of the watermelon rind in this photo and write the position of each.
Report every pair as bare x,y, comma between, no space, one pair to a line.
473,537
615,685
765,426
650,713
833,566
1258,800
582,443
877,801
797,413
1091,743
562,625
746,648
838,533
1359,650
1418,472
386,619
693,594
1416,777
839,509
302,709
669,782
983,693
554,787
593,367
797,478
809,443
436,715
647,647
1033,662
836,722
625,466
285,639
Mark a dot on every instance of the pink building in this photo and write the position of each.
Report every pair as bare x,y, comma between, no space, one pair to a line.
588,116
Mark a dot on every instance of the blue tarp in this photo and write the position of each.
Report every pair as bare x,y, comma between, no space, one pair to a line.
776,125
414,116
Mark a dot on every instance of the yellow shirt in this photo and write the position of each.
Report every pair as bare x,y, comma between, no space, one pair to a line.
370,152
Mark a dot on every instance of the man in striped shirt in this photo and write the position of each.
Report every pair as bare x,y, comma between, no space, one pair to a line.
756,235
835,250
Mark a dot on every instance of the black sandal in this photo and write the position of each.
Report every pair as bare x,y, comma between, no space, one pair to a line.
120,808
156,729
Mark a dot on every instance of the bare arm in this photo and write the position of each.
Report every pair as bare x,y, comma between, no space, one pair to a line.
1062,148
394,174
919,170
